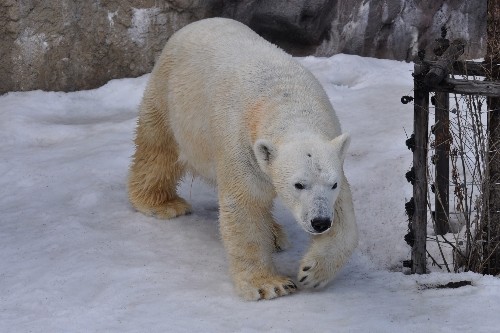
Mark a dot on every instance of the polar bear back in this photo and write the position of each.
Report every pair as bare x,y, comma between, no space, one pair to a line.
223,87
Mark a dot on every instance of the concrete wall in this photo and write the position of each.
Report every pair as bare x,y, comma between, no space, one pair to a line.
69,45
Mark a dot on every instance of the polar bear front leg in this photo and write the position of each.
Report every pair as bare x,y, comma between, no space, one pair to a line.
247,231
330,251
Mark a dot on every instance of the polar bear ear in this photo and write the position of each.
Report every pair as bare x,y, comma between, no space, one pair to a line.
265,152
341,143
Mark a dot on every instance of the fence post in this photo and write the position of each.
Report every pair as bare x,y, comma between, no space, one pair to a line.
419,218
492,225
442,160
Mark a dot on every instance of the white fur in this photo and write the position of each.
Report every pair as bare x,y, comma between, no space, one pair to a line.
249,118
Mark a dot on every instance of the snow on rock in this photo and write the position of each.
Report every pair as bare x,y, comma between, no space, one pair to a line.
142,18
75,257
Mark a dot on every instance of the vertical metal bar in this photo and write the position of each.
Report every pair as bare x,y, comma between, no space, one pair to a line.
492,226
419,220
442,146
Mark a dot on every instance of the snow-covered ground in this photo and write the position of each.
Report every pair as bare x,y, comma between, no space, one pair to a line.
75,257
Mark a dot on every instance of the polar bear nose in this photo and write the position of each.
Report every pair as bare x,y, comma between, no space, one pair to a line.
321,224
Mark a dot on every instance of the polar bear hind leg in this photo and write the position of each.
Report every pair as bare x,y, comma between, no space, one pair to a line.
155,171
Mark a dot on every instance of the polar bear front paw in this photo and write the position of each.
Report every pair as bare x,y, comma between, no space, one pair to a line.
316,273
168,210
265,288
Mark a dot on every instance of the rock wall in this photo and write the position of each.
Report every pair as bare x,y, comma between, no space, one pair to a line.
397,29
69,45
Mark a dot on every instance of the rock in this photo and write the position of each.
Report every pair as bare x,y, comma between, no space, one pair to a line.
298,26
68,45
398,29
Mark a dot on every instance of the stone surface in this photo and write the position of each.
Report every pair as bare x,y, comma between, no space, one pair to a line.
298,26
397,29
69,45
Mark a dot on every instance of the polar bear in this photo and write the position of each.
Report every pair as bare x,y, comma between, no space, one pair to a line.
226,105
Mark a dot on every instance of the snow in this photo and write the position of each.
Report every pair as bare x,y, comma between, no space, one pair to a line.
75,257
141,22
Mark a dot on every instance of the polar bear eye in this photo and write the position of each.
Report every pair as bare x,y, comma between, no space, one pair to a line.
334,186
299,186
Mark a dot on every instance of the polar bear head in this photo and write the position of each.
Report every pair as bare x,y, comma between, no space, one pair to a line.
307,175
